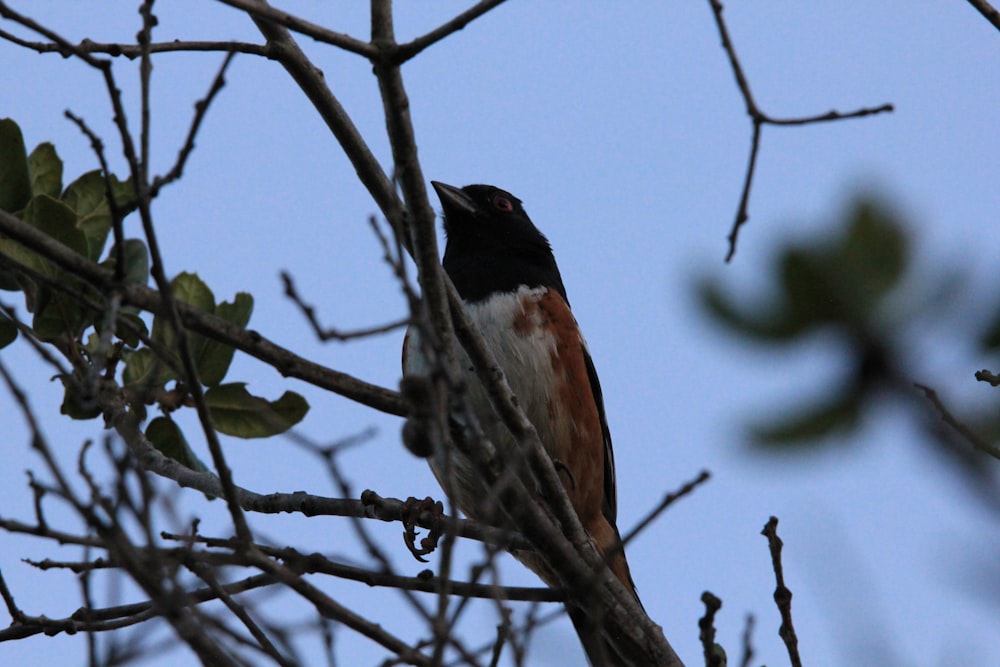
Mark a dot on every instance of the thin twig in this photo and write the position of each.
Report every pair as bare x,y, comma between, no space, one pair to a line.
667,501
782,594
260,10
759,119
988,376
706,631
200,108
331,333
408,50
988,11
957,425
283,360
747,642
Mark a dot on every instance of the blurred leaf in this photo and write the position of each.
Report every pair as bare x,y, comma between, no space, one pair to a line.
136,261
124,194
76,406
86,197
46,170
15,179
811,423
215,357
130,336
57,220
809,292
990,339
167,437
874,253
145,371
768,325
58,314
236,412
8,331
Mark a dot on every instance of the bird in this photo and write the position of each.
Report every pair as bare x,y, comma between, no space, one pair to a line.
505,272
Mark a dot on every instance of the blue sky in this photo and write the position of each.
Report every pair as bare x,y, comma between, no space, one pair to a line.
621,129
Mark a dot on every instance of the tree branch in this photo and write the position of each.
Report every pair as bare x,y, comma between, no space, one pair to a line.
759,119
988,11
284,361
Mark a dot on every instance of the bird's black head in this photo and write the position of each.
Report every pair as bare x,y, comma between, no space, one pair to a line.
493,247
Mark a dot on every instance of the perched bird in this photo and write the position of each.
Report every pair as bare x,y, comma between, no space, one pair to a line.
506,275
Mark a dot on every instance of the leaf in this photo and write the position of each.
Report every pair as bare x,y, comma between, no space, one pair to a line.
136,261
875,252
76,406
188,288
85,196
56,219
809,292
238,413
812,423
124,194
145,371
8,331
769,325
130,335
55,312
215,358
46,170
15,180
167,437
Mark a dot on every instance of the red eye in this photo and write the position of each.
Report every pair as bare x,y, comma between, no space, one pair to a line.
503,204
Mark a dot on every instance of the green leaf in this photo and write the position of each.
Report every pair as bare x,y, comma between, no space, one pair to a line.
56,219
809,290
124,194
145,371
875,252
85,196
136,261
76,406
46,170
215,358
236,412
812,423
130,335
167,437
56,313
8,331
15,180
767,324
188,288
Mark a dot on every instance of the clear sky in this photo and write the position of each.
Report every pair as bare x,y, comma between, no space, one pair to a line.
621,129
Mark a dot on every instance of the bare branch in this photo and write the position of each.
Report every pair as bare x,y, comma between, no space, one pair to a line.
261,11
988,376
959,427
714,657
667,501
782,594
759,118
283,360
200,108
330,333
747,642
408,50
988,11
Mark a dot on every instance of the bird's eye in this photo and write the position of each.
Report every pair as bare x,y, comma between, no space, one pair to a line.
503,204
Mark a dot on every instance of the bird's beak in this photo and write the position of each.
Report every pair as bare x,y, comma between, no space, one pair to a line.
453,199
